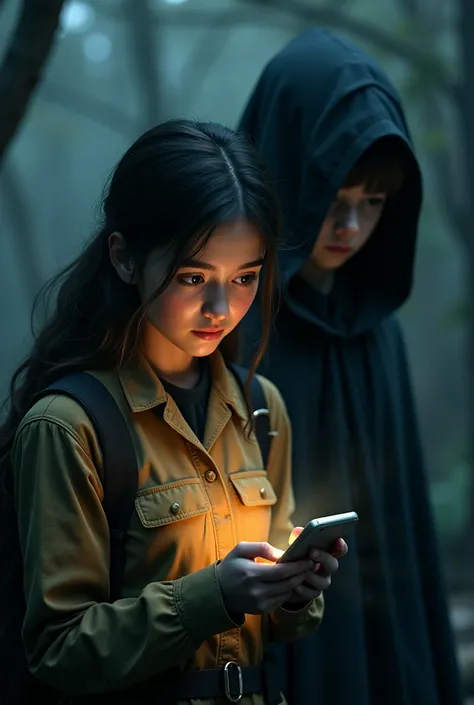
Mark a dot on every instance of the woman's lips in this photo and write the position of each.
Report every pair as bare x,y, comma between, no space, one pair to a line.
210,334
342,249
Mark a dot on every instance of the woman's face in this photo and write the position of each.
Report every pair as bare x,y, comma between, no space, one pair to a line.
349,223
210,294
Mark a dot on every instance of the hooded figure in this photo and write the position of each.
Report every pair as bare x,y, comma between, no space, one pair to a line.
328,121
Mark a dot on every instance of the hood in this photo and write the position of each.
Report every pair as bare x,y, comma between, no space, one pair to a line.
318,105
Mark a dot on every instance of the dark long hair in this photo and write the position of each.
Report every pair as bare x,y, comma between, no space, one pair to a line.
173,187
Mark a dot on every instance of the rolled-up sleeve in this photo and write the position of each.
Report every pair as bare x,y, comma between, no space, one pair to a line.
75,639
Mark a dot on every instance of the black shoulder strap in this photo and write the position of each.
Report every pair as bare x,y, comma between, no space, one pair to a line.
120,462
261,413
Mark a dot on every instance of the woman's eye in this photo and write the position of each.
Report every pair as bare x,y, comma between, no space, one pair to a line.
191,279
375,202
246,279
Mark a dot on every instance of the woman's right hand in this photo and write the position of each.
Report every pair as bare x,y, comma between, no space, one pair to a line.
249,587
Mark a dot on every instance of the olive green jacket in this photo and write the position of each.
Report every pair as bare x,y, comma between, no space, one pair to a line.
194,503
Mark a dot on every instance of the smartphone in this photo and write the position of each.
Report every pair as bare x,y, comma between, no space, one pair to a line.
319,533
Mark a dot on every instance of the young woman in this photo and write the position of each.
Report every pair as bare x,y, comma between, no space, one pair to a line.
189,222
332,130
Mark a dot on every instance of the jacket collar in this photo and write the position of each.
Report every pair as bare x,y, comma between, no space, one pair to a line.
143,388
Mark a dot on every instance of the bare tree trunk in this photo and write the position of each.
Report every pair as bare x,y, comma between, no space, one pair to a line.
143,34
24,61
203,58
466,34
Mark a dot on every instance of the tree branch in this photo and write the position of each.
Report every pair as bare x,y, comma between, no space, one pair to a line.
24,61
250,12
327,14
202,19
89,107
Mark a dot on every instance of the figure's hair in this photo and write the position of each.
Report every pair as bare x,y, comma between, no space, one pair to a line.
380,168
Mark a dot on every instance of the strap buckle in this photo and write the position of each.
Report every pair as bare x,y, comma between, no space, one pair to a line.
227,687
264,412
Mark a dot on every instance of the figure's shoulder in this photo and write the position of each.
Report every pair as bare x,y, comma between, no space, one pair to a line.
391,330
392,324
391,346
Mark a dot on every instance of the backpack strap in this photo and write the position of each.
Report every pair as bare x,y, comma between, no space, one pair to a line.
260,414
120,462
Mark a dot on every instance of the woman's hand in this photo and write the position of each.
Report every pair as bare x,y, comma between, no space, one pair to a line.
249,587
319,578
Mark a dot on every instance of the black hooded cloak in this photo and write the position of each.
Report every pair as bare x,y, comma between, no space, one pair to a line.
340,363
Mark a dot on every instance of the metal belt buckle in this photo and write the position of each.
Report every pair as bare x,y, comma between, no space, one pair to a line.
227,687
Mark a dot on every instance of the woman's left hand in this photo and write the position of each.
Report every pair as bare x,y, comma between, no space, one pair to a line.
319,579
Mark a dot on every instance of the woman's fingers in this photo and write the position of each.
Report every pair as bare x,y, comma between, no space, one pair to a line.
317,581
294,534
328,564
281,571
339,549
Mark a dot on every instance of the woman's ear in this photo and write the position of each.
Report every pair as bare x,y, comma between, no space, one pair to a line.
120,257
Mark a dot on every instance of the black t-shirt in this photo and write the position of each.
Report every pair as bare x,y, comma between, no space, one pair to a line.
193,402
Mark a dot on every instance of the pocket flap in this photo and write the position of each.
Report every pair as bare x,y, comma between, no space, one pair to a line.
253,487
174,501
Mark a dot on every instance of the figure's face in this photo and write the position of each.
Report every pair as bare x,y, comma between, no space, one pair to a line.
349,223
209,295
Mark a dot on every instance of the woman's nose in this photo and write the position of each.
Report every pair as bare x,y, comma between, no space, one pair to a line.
216,307
215,315
349,226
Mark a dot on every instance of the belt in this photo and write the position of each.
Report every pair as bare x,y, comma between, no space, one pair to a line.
231,682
